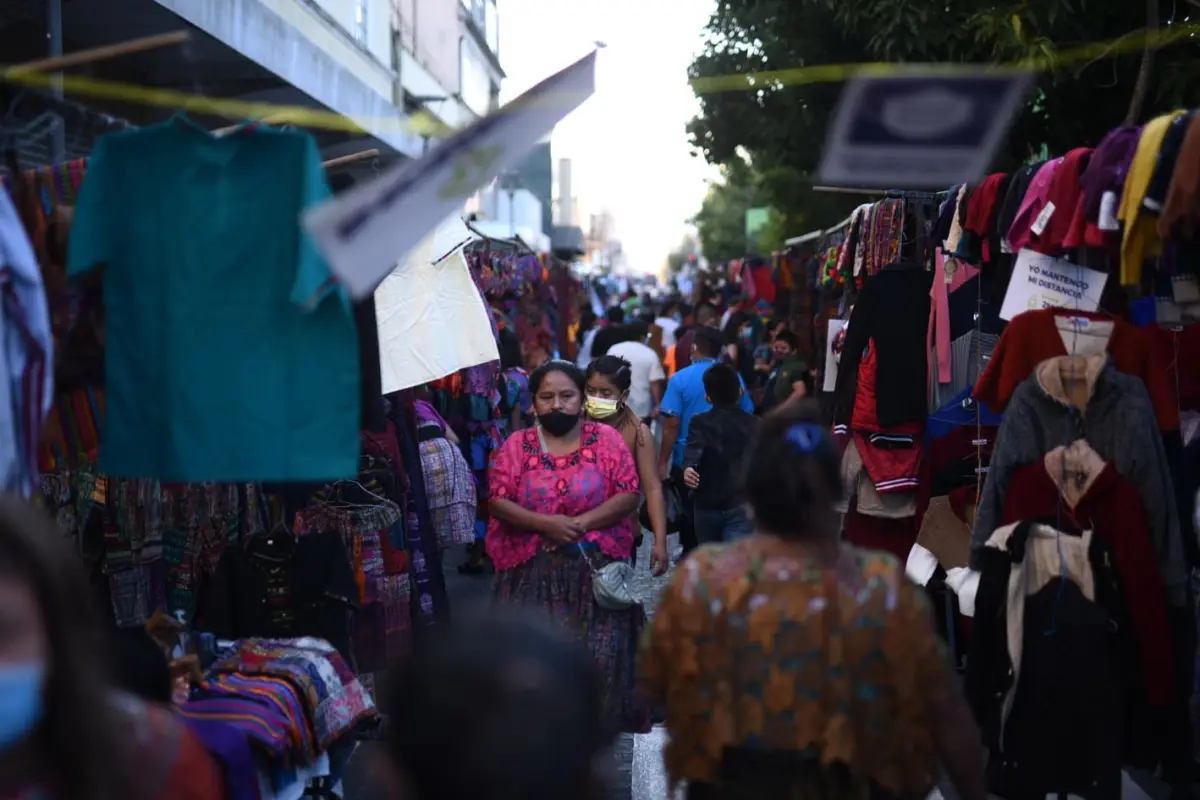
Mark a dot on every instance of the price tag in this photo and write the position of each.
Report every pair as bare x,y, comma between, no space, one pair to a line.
1108,212
1043,219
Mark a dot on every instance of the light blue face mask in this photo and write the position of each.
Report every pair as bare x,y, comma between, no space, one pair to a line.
20,702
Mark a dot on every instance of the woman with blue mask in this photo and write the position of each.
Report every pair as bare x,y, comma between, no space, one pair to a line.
65,732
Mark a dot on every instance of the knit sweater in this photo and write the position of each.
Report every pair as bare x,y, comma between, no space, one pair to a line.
1032,337
1118,422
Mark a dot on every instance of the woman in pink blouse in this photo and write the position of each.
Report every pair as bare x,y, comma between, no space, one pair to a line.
562,497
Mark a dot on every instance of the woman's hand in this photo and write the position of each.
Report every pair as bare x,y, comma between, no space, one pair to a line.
560,529
691,478
659,560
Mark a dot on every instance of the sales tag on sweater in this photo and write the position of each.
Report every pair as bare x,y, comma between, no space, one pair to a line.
1108,212
1043,219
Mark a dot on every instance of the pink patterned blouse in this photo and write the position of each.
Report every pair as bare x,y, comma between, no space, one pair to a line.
573,484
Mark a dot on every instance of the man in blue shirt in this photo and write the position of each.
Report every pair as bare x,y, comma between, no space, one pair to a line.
684,399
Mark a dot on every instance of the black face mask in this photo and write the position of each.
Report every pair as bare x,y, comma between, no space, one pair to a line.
558,423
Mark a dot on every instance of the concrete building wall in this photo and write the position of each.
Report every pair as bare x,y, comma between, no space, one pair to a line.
564,211
536,173
439,57
303,44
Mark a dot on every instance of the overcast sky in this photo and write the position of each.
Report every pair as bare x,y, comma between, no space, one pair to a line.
627,144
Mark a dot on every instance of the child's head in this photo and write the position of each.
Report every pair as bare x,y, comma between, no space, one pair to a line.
721,386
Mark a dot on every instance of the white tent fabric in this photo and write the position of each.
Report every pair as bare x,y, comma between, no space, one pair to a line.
432,321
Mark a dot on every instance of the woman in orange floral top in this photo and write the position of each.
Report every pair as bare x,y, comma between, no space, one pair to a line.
791,665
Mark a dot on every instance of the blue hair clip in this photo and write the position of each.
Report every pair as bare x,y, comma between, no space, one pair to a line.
806,436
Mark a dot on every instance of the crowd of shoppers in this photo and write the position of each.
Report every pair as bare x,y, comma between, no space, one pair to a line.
784,663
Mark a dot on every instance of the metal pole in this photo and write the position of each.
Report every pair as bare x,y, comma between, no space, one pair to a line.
54,39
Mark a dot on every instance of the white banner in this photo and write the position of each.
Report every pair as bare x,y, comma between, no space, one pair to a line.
364,232
432,321
1040,281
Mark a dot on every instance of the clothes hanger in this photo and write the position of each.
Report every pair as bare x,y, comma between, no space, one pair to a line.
278,538
276,535
378,497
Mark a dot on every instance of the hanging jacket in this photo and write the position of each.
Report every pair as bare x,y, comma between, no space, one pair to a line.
1117,421
892,312
1075,483
1046,673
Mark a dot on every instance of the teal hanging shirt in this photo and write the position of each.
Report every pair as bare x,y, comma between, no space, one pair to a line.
231,354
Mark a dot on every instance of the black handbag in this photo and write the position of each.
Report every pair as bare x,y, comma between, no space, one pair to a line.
675,510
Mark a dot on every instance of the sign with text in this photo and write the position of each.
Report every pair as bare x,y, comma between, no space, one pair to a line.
919,128
366,231
1040,281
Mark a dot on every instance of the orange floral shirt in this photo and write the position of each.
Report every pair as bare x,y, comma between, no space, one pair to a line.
755,645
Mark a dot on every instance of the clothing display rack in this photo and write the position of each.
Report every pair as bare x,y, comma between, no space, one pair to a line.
278,561
986,442
95,54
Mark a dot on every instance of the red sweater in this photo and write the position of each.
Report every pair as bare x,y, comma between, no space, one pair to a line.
1032,337
1112,508
1064,192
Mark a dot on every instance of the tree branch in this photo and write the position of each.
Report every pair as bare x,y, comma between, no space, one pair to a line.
1142,87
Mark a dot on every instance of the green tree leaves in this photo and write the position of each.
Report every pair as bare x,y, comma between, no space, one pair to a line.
782,128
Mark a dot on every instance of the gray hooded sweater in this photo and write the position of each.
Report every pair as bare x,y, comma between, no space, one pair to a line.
1117,421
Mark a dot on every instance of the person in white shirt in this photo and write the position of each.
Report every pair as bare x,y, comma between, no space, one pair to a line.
587,348
649,379
669,320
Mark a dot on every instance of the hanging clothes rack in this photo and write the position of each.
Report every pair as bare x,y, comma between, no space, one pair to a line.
352,158
103,53
270,119
333,163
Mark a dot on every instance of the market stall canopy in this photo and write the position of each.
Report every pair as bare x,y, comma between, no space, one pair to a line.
432,319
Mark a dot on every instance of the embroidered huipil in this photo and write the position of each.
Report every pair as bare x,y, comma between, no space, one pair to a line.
573,484
755,646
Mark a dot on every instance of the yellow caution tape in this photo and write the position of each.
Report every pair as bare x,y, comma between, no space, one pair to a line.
425,124
836,73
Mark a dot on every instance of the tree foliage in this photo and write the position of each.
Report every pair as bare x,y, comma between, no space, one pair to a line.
782,127
721,221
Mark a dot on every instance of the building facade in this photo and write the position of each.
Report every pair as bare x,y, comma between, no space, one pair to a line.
536,174
375,61
447,56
